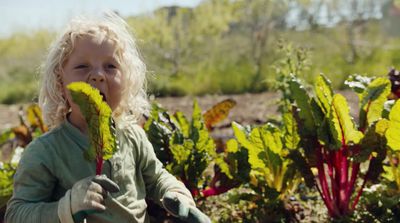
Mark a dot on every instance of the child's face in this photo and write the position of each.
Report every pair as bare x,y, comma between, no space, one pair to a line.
96,63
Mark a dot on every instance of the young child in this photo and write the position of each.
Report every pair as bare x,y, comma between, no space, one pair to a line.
53,182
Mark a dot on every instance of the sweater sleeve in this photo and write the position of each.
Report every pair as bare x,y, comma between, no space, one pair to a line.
33,186
157,179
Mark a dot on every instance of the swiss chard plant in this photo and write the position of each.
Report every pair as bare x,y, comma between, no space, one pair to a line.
185,147
334,145
268,147
98,117
392,170
12,143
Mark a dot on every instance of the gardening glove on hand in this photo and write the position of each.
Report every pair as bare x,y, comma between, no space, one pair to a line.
86,197
183,207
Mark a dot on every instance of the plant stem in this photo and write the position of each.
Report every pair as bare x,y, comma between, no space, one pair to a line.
99,165
323,182
362,186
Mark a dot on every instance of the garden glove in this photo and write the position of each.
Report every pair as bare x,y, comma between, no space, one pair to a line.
183,207
86,197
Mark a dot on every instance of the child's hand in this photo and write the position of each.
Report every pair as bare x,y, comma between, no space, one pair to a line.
184,208
88,194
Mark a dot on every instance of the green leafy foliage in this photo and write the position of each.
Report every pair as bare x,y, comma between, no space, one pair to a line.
393,132
342,125
335,145
268,157
12,143
372,101
98,117
6,182
378,204
184,146
392,170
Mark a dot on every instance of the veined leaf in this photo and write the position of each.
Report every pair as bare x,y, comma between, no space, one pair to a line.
181,152
183,123
199,133
324,93
232,146
302,99
374,140
372,101
219,161
393,133
317,112
266,145
290,130
240,134
159,136
218,112
342,125
97,114
271,138
6,183
253,150
325,135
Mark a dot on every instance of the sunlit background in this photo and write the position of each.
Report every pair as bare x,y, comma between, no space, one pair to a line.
214,46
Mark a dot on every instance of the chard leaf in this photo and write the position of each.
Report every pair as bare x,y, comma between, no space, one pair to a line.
97,114
323,93
199,133
393,133
253,150
7,172
373,141
372,101
341,124
159,133
268,138
302,100
290,131
220,162
232,146
240,134
180,152
183,123
271,138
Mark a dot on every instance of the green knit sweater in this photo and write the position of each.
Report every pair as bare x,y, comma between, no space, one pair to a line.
52,163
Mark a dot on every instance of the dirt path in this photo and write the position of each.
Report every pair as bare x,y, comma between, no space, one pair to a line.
250,108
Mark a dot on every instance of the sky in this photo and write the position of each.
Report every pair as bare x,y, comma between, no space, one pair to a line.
29,15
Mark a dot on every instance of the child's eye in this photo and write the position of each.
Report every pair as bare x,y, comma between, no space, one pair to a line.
111,66
81,66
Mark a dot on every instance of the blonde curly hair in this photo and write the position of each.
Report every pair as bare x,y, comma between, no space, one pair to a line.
134,100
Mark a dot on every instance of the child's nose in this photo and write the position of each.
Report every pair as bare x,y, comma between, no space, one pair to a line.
97,75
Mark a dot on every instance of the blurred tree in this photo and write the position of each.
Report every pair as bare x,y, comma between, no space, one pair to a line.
352,15
176,35
258,19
